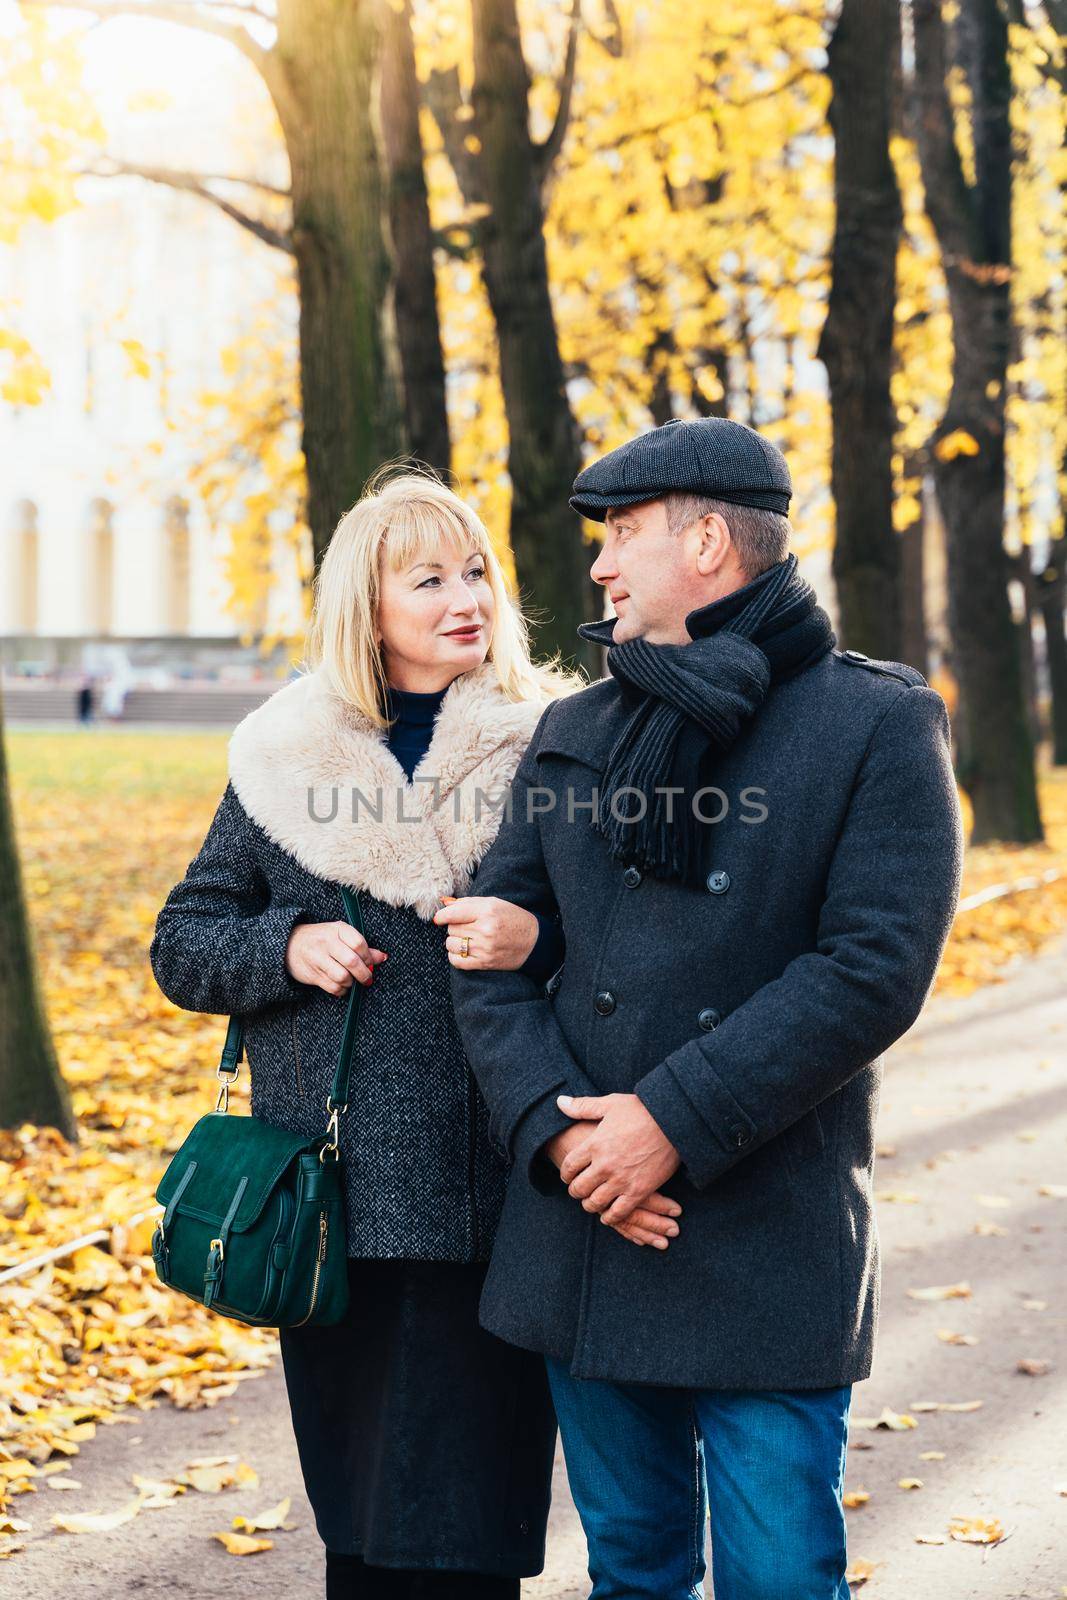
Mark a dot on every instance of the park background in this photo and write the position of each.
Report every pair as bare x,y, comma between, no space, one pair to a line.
248,254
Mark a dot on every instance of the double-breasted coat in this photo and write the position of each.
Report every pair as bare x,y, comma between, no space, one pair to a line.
750,1015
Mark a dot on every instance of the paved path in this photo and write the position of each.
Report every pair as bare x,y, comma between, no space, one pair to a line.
975,1103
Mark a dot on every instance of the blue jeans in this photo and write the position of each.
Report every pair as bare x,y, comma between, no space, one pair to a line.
646,1464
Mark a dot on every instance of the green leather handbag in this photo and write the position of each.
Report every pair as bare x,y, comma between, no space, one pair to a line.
253,1222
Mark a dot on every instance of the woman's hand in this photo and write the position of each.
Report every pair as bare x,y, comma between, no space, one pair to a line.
500,934
330,955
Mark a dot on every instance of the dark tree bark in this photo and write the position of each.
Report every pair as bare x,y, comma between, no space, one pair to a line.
505,171
31,1087
914,638
324,78
417,323
973,227
857,337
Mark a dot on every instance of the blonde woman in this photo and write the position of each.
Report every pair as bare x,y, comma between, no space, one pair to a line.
425,1443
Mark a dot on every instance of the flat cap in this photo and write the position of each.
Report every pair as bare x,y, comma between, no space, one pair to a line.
712,456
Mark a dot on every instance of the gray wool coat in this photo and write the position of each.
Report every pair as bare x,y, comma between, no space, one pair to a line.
749,1016
422,1177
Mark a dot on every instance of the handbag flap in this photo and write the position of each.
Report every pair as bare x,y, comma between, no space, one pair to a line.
227,1148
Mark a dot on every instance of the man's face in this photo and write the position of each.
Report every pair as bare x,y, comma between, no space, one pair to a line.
654,578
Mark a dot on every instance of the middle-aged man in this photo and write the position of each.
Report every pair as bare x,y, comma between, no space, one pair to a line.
753,840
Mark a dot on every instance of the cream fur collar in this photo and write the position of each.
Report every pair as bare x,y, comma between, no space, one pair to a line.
300,761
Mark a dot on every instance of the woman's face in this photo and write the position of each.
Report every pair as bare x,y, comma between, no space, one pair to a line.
435,618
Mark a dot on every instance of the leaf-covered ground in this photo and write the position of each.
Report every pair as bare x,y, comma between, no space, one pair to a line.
107,823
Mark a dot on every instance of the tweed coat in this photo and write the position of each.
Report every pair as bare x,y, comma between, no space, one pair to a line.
316,799
749,1016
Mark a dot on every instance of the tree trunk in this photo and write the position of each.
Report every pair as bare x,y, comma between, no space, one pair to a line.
31,1087
973,226
329,52
544,456
914,637
417,323
857,337
1052,599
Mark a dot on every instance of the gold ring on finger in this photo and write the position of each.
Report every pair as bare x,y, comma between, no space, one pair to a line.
466,943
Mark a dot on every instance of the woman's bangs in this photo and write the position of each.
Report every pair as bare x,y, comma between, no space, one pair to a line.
417,532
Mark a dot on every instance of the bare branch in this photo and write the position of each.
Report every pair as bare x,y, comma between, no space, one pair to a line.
185,15
202,19
455,124
612,41
948,197
196,183
273,189
550,149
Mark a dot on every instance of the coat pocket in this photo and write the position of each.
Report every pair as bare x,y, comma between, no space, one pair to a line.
802,1140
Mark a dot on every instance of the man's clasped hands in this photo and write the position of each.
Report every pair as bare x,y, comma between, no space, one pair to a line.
613,1160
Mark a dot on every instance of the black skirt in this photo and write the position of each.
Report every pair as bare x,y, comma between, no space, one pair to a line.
424,1441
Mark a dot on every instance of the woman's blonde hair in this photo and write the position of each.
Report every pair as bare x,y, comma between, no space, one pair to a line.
403,516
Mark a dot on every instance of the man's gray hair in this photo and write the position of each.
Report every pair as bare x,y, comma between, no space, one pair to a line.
760,537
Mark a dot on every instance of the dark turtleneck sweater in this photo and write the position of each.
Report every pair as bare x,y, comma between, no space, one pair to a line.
412,716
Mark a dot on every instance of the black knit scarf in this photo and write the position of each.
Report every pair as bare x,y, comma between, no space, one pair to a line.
690,700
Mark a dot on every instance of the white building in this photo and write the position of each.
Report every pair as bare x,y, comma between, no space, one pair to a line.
100,536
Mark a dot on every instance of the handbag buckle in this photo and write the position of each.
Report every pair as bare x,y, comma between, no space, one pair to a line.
333,1130
228,1077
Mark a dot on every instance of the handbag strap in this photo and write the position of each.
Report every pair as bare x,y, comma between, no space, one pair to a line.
233,1047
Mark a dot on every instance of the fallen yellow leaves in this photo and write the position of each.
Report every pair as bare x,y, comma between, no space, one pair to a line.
948,1336
909,1483
212,1474
858,1571
853,1498
97,1521
265,1521
894,1421
206,1475
977,1530
947,1405
942,1291
1033,1367
986,937
239,1544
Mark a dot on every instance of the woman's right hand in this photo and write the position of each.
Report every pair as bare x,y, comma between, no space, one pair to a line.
330,955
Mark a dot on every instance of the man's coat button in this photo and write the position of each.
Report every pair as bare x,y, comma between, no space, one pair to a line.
604,1003
709,1018
632,877
718,882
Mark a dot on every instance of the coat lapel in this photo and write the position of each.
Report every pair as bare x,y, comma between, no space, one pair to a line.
320,780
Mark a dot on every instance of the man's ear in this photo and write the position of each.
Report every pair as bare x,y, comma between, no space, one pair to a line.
715,544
